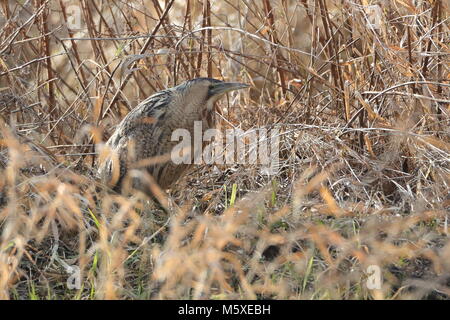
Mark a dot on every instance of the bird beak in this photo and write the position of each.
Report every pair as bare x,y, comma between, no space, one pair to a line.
224,87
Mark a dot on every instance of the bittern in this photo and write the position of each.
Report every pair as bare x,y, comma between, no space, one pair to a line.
146,131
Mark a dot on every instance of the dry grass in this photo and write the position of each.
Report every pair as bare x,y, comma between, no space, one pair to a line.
364,177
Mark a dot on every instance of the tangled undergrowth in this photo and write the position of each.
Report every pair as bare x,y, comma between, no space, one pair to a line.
359,95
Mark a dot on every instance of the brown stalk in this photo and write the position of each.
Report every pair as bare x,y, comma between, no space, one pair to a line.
74,43
46,48
274,38
143,49
332,51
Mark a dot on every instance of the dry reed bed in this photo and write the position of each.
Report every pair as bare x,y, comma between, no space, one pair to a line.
363,116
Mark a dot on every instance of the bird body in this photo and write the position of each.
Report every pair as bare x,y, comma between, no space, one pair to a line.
146,131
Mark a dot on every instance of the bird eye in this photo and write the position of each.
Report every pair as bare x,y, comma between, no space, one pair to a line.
210,89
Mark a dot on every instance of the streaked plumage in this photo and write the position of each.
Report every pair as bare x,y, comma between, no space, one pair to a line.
146,131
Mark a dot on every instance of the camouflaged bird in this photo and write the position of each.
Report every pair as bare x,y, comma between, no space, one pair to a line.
146,131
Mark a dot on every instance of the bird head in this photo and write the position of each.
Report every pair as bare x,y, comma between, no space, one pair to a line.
206,91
